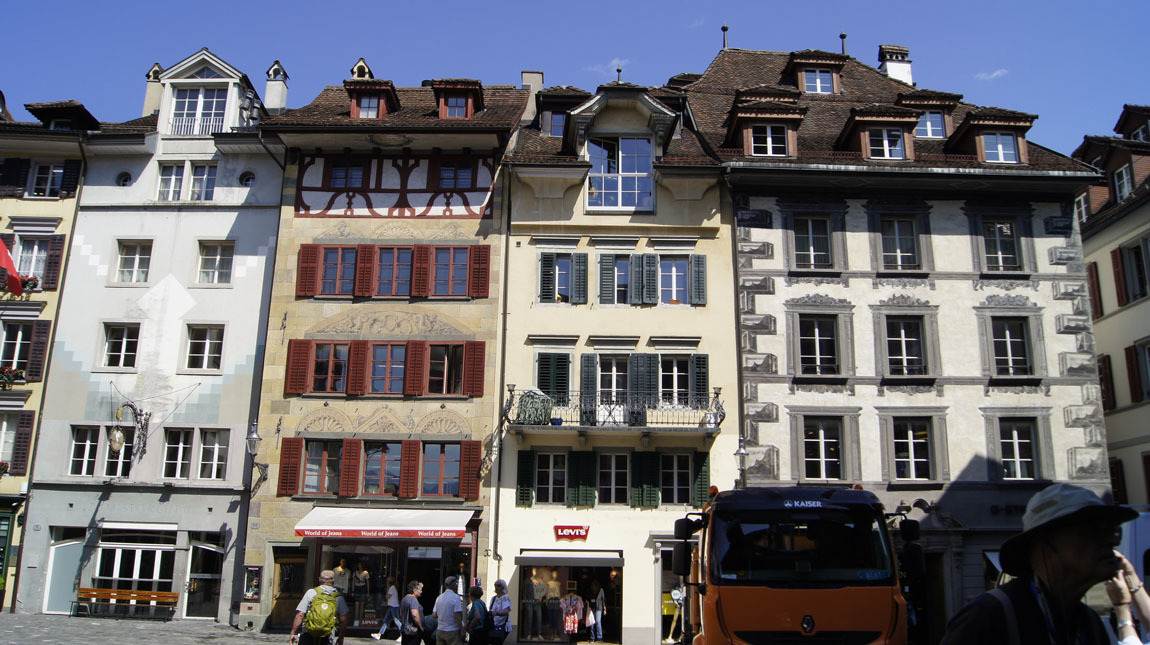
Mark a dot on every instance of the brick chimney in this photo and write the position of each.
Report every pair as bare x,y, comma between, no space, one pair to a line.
894,61
532,82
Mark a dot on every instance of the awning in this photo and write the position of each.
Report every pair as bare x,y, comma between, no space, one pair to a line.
326,521
571,558
138,526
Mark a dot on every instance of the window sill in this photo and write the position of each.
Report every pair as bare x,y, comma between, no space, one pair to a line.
915,484
829,379
804,271
891,379
898,159
128,285
43,198
114,370
1003,275
1014,380
617,211
902,273
200,372
210,285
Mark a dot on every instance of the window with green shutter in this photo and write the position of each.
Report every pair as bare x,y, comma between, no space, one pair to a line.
645,480
554,376
581,478
525,478
701,466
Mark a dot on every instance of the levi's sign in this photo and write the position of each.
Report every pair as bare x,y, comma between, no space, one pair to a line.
382,533
571,533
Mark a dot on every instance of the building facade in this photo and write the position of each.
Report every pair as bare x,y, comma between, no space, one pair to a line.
1115,221
155,368
380,393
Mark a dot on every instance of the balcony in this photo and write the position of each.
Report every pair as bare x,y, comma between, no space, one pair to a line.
196,126
611,411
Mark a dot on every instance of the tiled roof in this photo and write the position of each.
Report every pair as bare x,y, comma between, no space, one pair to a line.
878,109
143,124
564,90
531,147
928,95
992,112
51,105
419,109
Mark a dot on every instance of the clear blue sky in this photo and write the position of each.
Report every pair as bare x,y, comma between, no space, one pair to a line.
1073,63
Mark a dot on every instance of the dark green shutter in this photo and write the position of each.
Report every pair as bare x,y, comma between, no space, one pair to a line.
641,387
697,279
525,479
546,277
581,478
635,288
702,477
588,387
554,376
650,279
579,279
699,394
607,279
637,459
645,479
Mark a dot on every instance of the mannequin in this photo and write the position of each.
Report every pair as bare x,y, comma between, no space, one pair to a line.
533,617
342,576
359,586
552,595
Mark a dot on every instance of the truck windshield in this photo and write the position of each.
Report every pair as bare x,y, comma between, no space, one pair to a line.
819,548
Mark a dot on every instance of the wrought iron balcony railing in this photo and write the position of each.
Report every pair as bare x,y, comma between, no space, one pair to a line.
614,409
196,126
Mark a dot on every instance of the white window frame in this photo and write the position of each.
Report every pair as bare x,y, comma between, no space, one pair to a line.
816,74
902,260
8,423
1136,266
130,333
550,470
823,433
680,472
837,310
135,261
1140,134
46,184
623,288
216,262
205,345
892,144
171,183
998,153
17,342
674,381
823,328
1031,316
1009,436
119,464
1123,182
927,130
939,461
368,106
32,256
620,176
1081,206
915,455
669,266
768,140
810,252
198,122
927,317
203,188
613,469
178,454
1012,351
214,453
85,441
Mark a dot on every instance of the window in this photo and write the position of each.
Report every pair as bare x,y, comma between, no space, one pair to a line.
813,243
216,262
1081,207
119,463
83,451
456,175
613,382
203,182
555,277
456,106
673,280
769,140
381,467
1001,147
675,478
440,469
449,271
120,344
906,352
1011,347
368,107
393,276
171,182
177,453
199,111
819,337
329,368
1019,443
620,174
47,180
17,343
674,381
1010,337
321,466
387,368
558,120
822,448
1140,134
135,258
906,339
613,478
931,125
621,272
886,143
337,268
205,346
912,448
553,375
124,179
247,178
818,345
420,271
551,478
60,124
213,454
1000,245
1134,266
32,256
818,81
445,369
1123,185
1016,445
345,175
914,444
900,245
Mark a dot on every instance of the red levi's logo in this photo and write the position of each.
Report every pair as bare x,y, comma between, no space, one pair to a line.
571,533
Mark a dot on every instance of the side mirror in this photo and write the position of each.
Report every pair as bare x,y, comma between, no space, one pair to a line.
685,527
681,559
909,530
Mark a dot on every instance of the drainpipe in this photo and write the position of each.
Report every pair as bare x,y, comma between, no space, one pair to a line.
498,466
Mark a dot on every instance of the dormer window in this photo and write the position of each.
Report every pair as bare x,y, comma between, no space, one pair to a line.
1140,134
368,106
1000,147
621,173
558,120
886,143
1123,186
931,125
199,111
60,124
769,140
818,81
455,106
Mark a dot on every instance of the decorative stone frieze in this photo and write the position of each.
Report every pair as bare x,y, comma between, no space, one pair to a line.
1007,301
1006,285
380,322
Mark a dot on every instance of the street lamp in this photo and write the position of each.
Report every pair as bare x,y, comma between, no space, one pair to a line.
254,440
741,453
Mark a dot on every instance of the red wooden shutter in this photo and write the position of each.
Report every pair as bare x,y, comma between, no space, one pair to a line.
479,261
364,269
409,469
38,350
470,454
357,366
291,454
1106,380
22,446
1119,276
298,361
349,467
1093,287
474,352
421,271
416,368
53,261
307,271
1134,374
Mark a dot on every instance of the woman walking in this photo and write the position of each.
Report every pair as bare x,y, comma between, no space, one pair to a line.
500,613
478,625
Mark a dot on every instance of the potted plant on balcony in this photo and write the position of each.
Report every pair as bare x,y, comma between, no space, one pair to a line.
4,468
9,376
29,282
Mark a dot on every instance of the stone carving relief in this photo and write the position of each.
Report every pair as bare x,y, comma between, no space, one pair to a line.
403,231
822,388
816,280
389,322
324,420
339,231
1007,301
443,422
902,283
818,299
904,300
1006,285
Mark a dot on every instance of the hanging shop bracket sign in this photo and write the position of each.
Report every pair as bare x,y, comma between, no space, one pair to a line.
328,522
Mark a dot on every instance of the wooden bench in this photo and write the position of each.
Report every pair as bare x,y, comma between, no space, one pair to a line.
125,603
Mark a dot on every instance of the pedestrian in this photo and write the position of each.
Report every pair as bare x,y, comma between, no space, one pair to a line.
449,614
597,601
1066,546
393,613
320,612
478,618
500,609
412,627
1128,593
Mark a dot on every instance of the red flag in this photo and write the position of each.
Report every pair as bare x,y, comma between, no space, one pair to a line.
14,283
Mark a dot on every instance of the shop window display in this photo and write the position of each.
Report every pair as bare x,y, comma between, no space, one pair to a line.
568,604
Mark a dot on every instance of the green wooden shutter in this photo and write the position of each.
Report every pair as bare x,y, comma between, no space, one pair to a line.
579,279
650,279
699,396
554,379
607,279
641,392
525,478
697,279
644,479
546,277
700,464
581,478
588,387
635,288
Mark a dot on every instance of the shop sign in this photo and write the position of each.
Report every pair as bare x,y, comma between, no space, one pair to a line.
384,533
571,533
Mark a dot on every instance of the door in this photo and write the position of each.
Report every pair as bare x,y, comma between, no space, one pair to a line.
289,582
424,564
204,579
63,576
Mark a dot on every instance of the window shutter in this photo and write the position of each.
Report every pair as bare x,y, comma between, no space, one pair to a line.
581,483
635,288
38,351
607,279
639,389
474,356
636,462
357,366
1106,380
1119,276
364,269
71,179
1093,287
10,173
699,394
479,269
22,445
298,364
697,272
291,454
579,279
588,384
349,467
650,474
421,271
554,379
307,270
22,172
700,463
545,123
470,454
545,374
1133,374
1118,481
416,367
650,279
409,469
525,478
546,277
53,262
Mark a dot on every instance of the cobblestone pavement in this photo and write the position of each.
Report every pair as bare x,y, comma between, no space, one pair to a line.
59,630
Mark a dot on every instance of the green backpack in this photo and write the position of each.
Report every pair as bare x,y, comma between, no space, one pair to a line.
323,613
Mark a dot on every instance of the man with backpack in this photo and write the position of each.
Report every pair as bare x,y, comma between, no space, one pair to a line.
321,610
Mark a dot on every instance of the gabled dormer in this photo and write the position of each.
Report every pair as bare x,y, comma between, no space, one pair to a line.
764,121
937,108
1134,123
371,98
458,98
202,95
993,135
553,104
816,72
880,132
63,115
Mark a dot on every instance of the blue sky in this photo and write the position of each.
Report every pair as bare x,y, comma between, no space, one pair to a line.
1072,63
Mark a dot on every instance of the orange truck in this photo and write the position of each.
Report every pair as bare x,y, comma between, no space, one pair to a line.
787,565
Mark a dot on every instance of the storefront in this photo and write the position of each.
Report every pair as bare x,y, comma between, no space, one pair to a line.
557,589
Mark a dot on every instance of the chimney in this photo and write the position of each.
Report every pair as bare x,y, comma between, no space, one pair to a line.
152,90
275,92
894,61
532,82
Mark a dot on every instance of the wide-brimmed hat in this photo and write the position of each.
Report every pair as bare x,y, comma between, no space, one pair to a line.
1054,506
